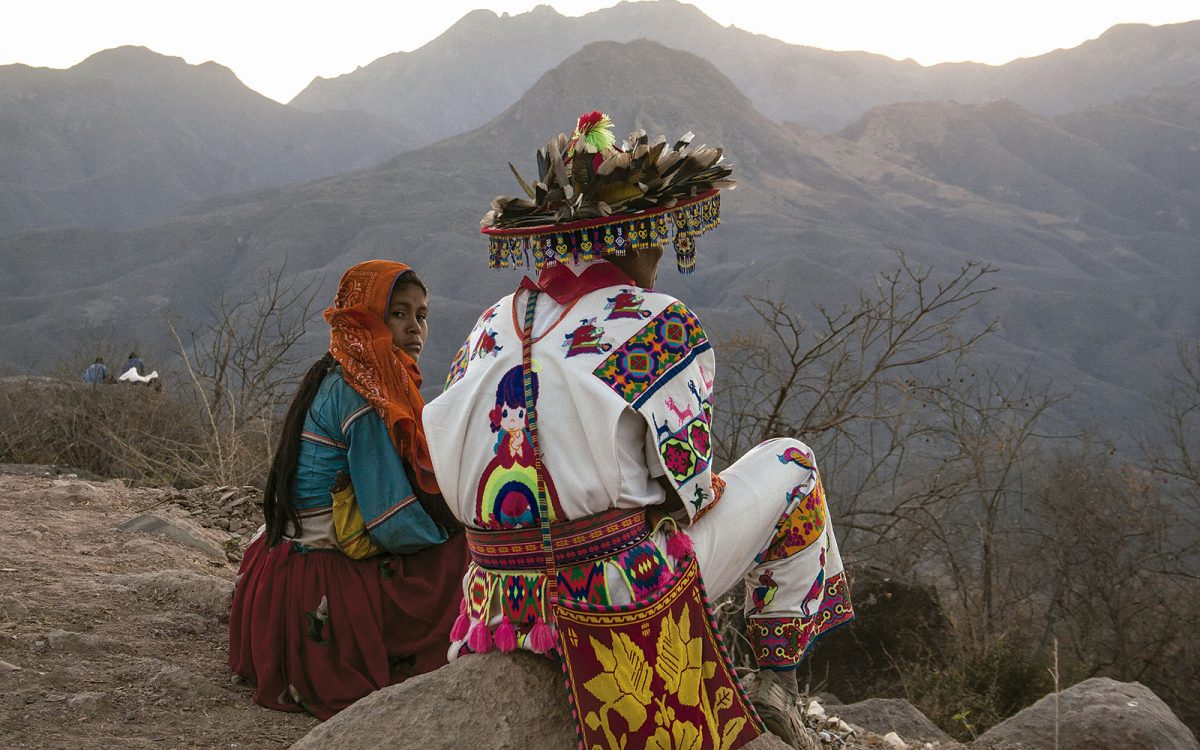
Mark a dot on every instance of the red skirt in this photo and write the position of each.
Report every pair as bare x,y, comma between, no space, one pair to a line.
316,630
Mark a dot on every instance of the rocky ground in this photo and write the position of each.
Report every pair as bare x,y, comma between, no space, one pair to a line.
113,609
116,637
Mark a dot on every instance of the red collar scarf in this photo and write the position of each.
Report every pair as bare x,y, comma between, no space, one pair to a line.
385,375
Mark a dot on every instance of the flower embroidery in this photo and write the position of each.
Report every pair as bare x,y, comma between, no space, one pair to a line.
624,685
678,459
681,659
700,439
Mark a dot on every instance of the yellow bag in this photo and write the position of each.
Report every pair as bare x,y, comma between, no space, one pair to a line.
348,526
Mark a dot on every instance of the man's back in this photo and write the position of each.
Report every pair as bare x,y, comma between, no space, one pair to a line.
605,363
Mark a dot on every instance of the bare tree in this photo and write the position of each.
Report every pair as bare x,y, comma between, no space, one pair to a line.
241,367
850,383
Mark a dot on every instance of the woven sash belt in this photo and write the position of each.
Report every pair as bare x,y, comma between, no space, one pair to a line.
575,542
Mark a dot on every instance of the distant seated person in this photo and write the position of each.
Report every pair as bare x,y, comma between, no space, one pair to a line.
96,372
131,371
133,363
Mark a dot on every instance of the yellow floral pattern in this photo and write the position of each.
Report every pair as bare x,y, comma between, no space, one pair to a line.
656,689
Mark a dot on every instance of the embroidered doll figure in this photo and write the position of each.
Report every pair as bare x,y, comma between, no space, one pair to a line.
507,494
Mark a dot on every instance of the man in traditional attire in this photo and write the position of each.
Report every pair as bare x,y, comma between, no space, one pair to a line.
585,400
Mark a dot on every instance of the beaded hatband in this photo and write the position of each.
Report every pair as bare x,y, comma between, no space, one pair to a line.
591,239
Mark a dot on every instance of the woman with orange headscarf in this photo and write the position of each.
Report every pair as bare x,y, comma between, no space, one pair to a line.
352,585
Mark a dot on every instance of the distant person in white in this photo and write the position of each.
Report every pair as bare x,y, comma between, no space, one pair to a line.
131,371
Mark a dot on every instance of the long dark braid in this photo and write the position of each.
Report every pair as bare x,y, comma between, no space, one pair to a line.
278,508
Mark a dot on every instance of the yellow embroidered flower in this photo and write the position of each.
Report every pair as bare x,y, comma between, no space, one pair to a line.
684,735
680,658
625,682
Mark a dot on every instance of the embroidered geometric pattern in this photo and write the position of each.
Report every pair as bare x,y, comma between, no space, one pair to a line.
574,542
802,525
644,568
778,642
458,367
669,340
688,451
836,608
781,642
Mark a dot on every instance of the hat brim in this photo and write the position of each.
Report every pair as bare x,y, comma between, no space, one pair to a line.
590,239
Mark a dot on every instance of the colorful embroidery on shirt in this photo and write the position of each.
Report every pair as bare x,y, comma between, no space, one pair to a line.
486,344
686,451
800,526
458,367
507,492
586,339
627,304
667,342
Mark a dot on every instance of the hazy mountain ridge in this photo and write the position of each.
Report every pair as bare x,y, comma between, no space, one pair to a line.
485,62
128,135
812,219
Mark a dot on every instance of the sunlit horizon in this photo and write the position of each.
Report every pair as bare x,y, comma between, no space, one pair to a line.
277,48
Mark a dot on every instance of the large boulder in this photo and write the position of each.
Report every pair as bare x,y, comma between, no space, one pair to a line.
884,715
487,702
1096,714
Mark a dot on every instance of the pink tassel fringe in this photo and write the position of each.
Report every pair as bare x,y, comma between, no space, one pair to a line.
506,636
679,545
462,625
541,638
480,637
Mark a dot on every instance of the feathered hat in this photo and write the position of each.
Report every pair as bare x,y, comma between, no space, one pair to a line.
594,197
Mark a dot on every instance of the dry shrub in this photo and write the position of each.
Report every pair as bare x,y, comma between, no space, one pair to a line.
120,431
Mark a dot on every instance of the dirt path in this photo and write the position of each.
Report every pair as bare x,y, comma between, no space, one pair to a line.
119,636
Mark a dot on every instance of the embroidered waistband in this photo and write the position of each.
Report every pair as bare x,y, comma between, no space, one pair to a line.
575,542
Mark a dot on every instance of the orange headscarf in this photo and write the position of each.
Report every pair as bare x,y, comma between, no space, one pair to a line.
382,373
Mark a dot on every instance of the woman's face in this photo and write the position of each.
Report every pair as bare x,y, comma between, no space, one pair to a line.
408,318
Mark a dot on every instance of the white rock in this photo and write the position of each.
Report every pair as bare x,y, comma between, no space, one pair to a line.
893,740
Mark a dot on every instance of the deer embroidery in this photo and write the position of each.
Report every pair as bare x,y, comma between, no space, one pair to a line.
682,416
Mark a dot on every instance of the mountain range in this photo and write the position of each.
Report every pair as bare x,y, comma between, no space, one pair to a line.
1090,216
128,136
483,63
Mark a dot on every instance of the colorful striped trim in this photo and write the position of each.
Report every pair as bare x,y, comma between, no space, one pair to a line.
319,439
782,642
382,519
575,542
355,415
320,510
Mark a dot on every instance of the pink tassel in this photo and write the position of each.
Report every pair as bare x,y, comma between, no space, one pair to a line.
506,636
480,637
679,545
462,624
541,638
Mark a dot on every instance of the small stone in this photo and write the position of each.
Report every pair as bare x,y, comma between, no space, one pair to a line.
86,702
5,667
893,740
12,608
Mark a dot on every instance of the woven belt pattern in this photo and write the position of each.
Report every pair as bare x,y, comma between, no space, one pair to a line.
575,542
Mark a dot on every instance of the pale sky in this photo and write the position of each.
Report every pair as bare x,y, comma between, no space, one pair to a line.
277,46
